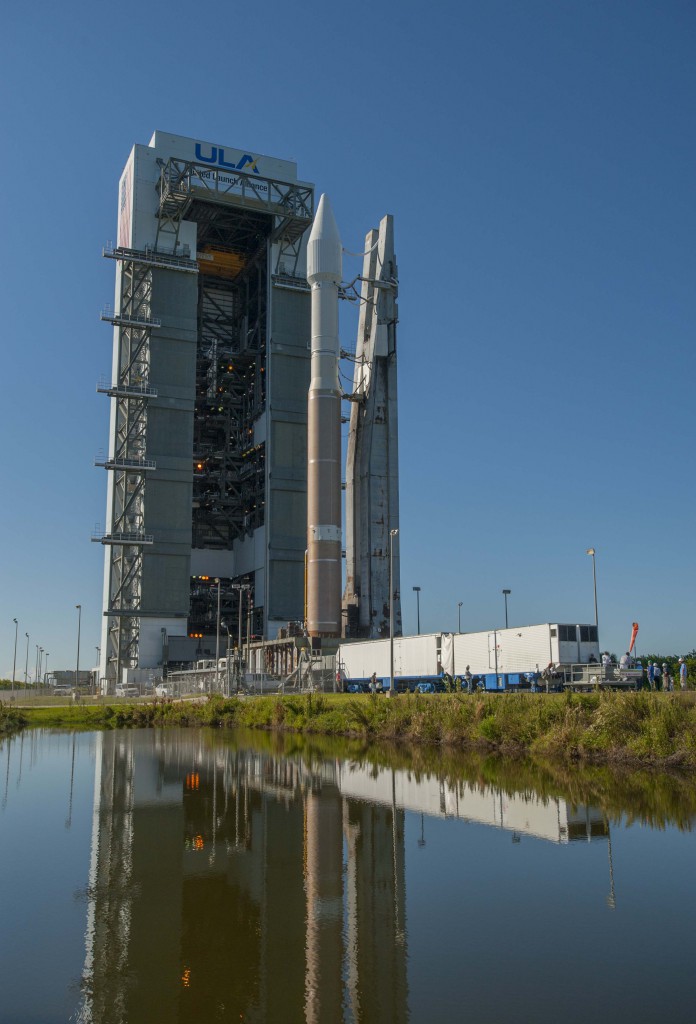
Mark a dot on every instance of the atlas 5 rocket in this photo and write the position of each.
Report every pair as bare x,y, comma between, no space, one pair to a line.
324,272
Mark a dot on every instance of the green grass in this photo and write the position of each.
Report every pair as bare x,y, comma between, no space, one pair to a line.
631,728
11,719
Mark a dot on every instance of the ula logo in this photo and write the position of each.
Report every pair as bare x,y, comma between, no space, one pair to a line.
217,156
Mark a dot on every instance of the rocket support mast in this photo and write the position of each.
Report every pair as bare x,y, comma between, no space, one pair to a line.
372,463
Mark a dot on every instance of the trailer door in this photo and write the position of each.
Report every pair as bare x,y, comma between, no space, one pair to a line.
447,653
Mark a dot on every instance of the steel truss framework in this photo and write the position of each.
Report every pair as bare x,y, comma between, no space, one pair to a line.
229,471
131,392
184,181
236,607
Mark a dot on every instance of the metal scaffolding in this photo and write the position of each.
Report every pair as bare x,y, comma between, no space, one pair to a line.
127,460
229,467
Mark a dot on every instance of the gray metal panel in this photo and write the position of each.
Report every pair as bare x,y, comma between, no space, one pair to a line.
289,446
165,587
286,583
288,513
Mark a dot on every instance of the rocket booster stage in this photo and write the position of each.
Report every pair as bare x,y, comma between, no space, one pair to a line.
324,272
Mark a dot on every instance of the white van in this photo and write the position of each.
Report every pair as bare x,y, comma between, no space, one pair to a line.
130,690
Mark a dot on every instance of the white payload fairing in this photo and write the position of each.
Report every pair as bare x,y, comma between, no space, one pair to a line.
324,273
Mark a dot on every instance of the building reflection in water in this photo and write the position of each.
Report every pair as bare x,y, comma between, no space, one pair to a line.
228,884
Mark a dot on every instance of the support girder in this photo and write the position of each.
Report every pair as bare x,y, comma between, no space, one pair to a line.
129,442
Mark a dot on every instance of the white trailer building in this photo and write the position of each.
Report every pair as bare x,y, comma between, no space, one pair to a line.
551,818
525,648
499,656
413,656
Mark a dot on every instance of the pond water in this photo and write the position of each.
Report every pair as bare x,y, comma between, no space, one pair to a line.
199,876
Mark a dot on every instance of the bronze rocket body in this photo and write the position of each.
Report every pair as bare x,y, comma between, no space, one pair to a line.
324,535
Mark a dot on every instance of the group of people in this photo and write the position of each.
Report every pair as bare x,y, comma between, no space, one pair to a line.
466,682
659,677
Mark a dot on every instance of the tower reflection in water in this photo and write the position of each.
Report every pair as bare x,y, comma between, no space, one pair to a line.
232,884
227,884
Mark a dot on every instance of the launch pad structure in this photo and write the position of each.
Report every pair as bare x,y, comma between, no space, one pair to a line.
206,521
372,459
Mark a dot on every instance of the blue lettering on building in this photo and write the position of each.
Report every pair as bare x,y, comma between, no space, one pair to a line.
217,156
226,163
212,159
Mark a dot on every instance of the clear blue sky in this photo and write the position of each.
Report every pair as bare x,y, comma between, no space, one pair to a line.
538,158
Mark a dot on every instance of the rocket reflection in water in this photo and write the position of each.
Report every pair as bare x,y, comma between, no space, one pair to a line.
228,883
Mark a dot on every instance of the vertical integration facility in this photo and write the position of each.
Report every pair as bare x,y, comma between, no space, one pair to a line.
207,458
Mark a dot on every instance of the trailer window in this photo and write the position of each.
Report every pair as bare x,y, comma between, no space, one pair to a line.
567,633
588,634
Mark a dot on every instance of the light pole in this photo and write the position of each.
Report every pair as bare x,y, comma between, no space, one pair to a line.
45,668
241,588
217,638
26,663
227,659
506,594
392,535
421,841
591,551
77,662
417,590
38,674
248,630
239,640
459,616
96,685
36,665
14,662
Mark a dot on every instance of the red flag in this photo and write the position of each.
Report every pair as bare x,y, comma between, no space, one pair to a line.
634,634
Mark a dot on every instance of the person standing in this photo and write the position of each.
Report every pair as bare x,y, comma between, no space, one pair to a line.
682,673
651,675
666,678
658,676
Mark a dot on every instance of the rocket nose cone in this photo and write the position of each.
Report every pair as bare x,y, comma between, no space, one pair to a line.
324,253
324,225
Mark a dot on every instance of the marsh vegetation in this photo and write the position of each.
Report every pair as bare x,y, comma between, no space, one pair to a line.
651,729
